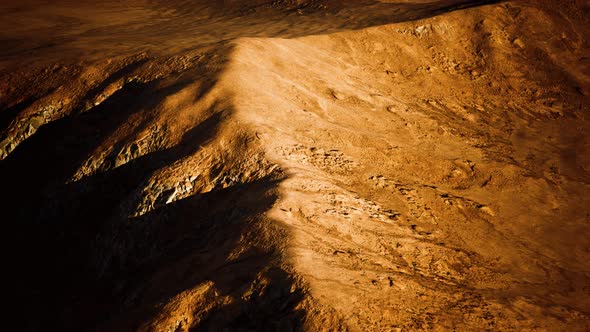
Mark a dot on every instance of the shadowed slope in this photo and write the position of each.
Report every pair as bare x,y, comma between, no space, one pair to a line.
64,30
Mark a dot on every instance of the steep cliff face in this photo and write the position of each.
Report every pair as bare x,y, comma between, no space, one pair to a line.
296,165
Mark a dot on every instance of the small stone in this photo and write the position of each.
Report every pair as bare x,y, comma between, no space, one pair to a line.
518,42
487,210
423,29
10,147
4,144
36,122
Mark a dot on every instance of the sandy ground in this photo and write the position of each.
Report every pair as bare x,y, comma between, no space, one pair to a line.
296,165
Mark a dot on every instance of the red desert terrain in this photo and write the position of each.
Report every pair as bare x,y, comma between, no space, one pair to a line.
296,165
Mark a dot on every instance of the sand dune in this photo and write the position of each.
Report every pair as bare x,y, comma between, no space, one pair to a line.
296,165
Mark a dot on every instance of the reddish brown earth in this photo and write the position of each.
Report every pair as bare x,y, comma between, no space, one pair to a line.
296,165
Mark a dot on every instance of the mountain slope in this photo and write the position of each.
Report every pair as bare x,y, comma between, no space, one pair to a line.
393,165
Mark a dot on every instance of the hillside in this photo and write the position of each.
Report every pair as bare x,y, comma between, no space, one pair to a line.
296,165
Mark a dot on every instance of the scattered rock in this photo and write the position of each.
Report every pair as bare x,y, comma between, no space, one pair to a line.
518,42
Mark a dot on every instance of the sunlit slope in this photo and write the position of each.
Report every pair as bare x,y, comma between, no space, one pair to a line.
392,165
435,169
